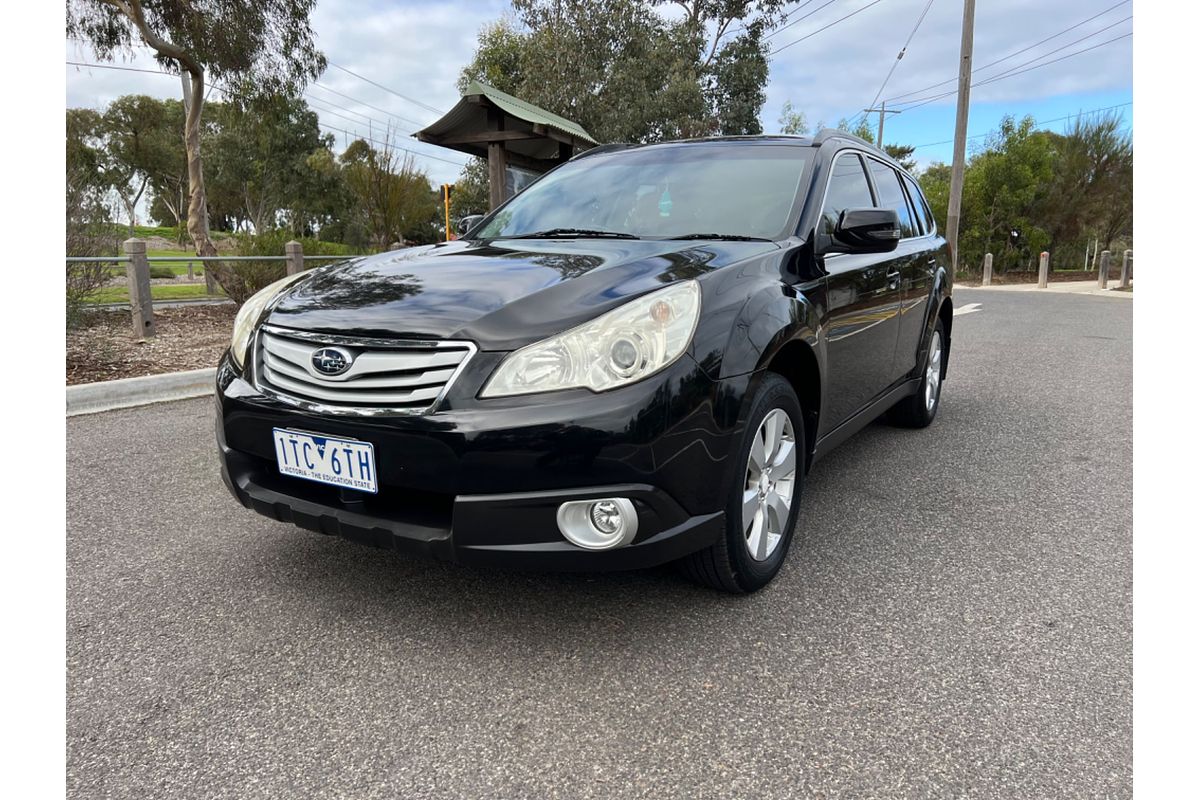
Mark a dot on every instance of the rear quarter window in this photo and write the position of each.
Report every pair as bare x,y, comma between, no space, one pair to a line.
919,203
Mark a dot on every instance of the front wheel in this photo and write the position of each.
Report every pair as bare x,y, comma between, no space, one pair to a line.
761,511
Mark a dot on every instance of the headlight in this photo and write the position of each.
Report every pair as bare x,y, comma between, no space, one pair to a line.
625,345
251,310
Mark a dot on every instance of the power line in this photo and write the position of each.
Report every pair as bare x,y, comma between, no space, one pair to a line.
1035,122
1023,50
782,28
386,89
826,27
366,105
392,145
895,64
1014,72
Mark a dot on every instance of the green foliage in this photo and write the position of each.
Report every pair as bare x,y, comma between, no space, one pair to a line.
1056,191
157,271
258,274
792,121
627,74
260,47
392,197
470,195
89,233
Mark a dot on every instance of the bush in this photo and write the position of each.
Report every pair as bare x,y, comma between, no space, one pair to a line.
89,234
162,272
258,274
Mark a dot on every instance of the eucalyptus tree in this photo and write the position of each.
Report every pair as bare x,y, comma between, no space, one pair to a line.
249,47
628,73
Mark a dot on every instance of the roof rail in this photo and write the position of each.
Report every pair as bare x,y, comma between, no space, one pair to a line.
825,134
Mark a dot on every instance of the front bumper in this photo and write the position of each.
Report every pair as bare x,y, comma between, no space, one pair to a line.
482,483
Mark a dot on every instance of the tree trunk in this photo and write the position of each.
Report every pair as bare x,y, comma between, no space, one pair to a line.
197,214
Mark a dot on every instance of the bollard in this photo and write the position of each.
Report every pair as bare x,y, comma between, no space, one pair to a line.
295,257
987,269
140,304
1126,269
191,273
1102,275
1043,270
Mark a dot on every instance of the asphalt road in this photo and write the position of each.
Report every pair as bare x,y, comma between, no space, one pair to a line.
955,621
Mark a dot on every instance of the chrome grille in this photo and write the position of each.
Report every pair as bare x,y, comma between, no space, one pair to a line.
386,376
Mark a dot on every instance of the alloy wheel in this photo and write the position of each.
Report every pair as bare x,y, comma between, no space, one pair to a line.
933,371
770,484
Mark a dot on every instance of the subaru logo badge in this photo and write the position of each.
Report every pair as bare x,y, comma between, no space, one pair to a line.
331,360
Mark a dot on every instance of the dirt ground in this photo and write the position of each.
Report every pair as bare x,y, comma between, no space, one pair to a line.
189,337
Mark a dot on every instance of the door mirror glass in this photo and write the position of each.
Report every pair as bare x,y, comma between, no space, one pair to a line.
866,230
466,223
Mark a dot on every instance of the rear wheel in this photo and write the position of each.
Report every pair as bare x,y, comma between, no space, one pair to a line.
918,410
761,510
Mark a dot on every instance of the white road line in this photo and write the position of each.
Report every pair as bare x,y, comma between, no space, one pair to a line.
969,308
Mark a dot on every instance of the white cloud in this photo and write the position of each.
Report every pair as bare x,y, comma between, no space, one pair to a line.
418,50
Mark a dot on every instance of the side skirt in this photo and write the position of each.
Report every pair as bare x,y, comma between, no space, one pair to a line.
864,417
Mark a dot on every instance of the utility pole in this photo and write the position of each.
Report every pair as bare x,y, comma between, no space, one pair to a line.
447,188
954,212
882,111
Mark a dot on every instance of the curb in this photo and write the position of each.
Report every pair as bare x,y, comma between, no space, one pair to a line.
92,398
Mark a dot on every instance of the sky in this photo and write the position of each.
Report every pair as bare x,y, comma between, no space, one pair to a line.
417,50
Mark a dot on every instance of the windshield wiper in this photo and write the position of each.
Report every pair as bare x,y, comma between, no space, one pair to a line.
560,233
731,237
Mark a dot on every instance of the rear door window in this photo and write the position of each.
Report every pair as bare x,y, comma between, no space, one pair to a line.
891,195
848,188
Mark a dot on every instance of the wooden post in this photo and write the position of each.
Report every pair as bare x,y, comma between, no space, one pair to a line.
497,171
295,257
140,304
191,273
1126,272
1102,276
1043,270
987,269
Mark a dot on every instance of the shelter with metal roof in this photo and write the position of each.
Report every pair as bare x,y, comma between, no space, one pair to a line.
506,130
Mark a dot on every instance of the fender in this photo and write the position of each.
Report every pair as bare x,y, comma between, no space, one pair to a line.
942,294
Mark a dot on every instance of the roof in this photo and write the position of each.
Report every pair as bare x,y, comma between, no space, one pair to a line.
461,128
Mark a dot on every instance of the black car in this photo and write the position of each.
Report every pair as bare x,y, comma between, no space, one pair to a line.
634,361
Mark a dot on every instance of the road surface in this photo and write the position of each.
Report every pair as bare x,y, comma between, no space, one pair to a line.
954,622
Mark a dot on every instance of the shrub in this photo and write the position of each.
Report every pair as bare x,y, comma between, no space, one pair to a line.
89,234
258,274
161,272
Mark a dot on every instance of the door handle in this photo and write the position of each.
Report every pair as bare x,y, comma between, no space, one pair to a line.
893,279
932,264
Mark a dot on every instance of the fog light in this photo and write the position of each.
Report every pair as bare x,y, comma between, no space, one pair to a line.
598,524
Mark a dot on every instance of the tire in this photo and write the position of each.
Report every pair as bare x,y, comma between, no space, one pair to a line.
918,410
729,564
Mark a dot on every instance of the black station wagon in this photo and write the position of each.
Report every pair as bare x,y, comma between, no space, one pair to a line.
634,361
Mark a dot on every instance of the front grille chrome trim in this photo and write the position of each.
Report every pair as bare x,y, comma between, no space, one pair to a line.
394,381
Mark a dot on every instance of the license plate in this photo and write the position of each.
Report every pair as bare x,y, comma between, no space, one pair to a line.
326,459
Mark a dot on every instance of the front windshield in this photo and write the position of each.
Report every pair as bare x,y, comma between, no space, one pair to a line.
714,188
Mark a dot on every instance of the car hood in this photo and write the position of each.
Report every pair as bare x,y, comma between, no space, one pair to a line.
501,295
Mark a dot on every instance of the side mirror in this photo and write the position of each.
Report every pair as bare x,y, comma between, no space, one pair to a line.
466,223
866,230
